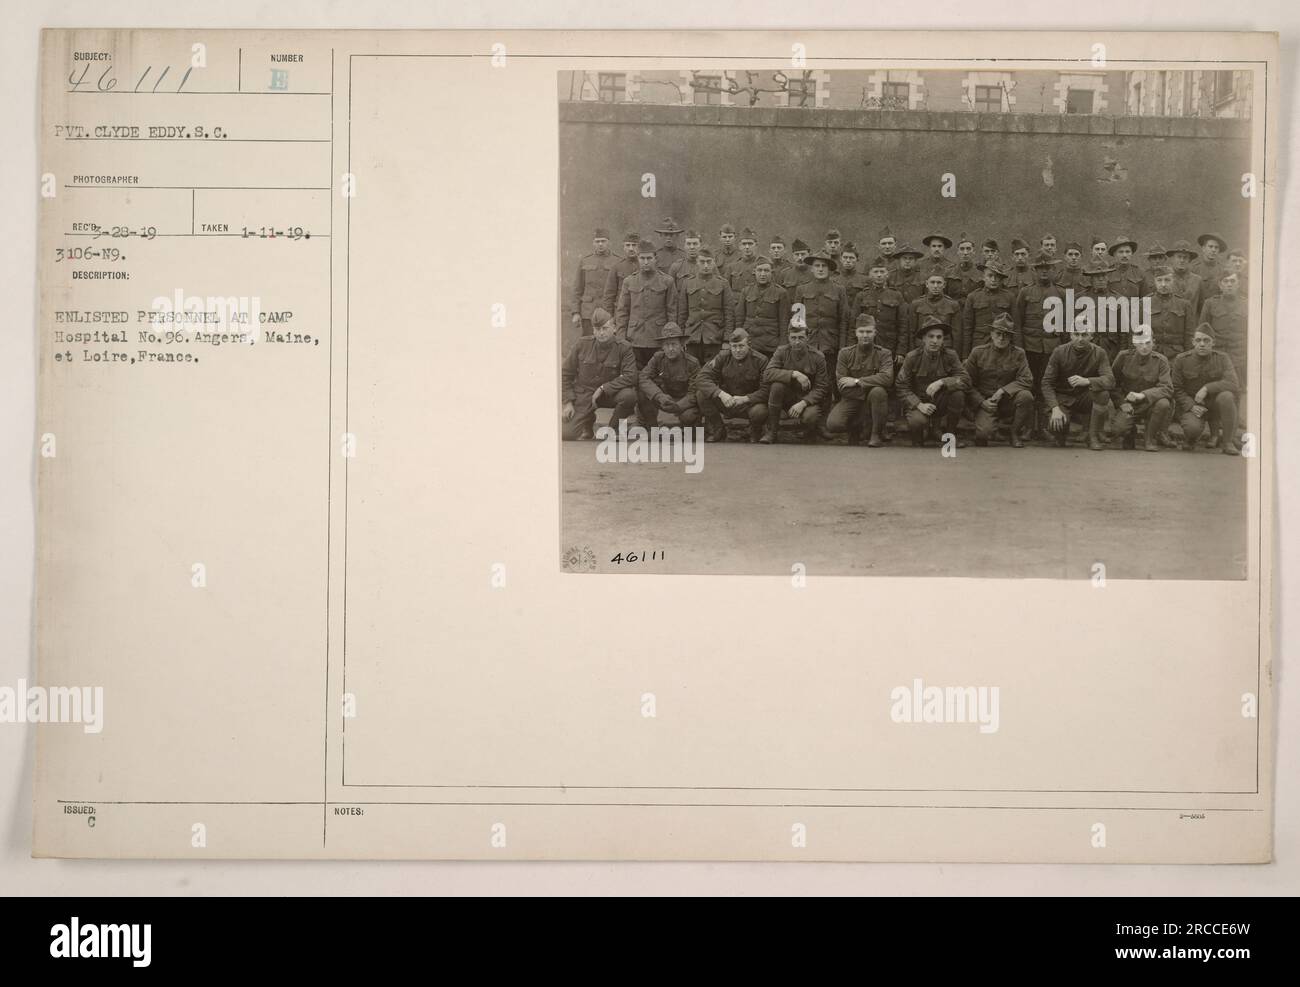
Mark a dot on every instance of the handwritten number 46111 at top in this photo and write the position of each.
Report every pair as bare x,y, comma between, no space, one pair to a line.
107,82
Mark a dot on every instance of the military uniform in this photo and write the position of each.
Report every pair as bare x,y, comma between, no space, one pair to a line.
682,268
1125,281
645,306
1150,376
669,385
610,366
1091,400
795,275
920,369
945,308
826,312
740,379
1218,376
852,282
764,310
873,369
740,272
622,269
1028,321
1070,277
784,391
668,255
966,277
1172,322
589,286
892,313
1109,320
989,369
982,307
1228,317
1019,276
707,313
909,284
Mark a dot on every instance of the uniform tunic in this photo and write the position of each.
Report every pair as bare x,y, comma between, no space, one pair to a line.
1066,362
892,313
765,312
645,306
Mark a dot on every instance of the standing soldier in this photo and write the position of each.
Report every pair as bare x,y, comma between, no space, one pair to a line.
589,286
1237,262
966,275
888,307
627,264
1021,274
797,273
1186,284
780,262
1125,278
1001,385
1205,392
935,260
886,241
906,278
1157,256
848,276
1030,312
1226,312
1100,254
796,381
667,381
864,373
687,265
707,309
991,251
934,303
740,271
599,372
1071,272
932,384
1143,392
833,244
825,312
1210,264
668,253
647,302
730,386
983,305
1047,245
763,308
1109,309
1077,383
1172,319
726,237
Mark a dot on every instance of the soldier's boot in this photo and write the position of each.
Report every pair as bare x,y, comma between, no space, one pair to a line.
1129,439
950,423
772,430
755,433
875,442
1158,425
1096,422
918,435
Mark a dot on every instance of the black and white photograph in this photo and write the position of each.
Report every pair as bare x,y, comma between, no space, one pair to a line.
907,322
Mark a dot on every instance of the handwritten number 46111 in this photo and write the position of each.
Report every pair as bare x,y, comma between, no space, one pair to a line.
107,82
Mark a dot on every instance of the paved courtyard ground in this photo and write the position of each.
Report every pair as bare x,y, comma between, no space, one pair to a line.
1038,512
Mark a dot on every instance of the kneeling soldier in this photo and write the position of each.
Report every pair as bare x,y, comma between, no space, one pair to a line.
668,381
864,373
1002,385
599,372
932,383
1144,391
1205,391
730,386
796,379
1078,382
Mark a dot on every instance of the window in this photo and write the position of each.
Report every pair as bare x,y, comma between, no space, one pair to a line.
801,91
612,87
1078,101
894,95
708,90
988,99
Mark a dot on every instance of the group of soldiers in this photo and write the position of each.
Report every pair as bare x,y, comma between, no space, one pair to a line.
909,337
